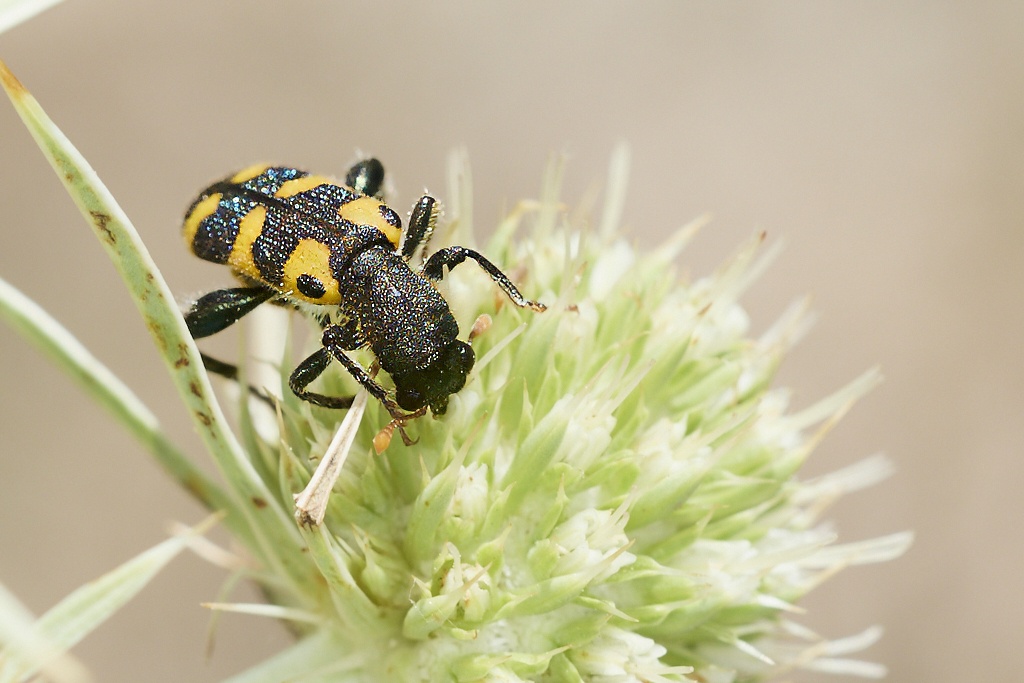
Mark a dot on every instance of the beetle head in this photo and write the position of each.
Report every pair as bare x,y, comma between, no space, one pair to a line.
432,385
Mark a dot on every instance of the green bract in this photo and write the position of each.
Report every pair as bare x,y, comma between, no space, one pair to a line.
612,497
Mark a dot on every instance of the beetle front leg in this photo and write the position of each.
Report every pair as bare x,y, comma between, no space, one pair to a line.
337,340
307,371
314,366
453,256
345,336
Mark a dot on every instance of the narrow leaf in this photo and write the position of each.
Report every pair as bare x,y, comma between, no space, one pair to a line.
86,608
271,524
43,331
20,640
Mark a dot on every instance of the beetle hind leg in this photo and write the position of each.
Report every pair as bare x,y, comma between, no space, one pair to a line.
218,310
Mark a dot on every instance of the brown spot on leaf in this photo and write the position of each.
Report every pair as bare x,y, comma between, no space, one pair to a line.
156,330
204,418
102,221
194,388
67,170
259,502
182,360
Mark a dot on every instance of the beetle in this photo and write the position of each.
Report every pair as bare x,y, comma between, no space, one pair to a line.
336,250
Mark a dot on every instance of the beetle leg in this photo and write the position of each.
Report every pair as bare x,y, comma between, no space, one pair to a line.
421,226
383,437
366,177
453,256
218,310
222,308
336,340
307,371
230,371
344,337
340,338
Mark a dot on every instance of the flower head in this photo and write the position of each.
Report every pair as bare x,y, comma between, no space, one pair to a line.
611,497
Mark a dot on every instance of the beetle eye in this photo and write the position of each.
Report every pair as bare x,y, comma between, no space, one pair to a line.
409,399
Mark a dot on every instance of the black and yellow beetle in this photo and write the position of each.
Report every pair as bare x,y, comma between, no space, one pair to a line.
312,242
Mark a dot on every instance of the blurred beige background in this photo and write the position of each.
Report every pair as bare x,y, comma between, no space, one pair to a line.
884,142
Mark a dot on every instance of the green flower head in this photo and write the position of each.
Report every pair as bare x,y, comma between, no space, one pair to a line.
611,497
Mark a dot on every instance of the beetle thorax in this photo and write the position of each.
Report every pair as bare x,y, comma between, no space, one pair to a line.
401,316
